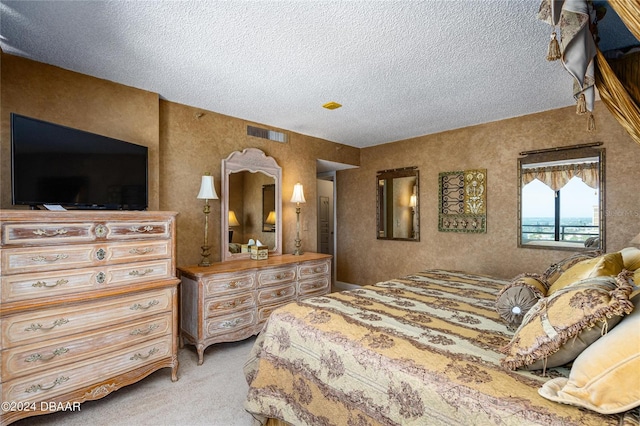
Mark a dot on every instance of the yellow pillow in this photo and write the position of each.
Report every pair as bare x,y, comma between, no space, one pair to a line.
554,270
560,326
605,377
631,258
608,264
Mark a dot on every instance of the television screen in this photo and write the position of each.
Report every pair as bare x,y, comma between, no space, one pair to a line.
53,164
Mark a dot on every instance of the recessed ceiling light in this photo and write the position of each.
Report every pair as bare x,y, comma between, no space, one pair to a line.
331,105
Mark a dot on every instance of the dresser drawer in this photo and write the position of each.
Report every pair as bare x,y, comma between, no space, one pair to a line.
128,230
21,260
44,387
267,277
57,283
136,251
279,294
313,287
224,305
38,326
29,359
228,283
229,324
17,233
311,269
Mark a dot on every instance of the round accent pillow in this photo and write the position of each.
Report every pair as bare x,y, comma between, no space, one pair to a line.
517,297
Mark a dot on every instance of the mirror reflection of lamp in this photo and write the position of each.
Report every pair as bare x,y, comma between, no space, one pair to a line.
271,219
233,221
413,202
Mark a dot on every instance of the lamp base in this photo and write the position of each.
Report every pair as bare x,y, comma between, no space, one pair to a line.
205,256
230,235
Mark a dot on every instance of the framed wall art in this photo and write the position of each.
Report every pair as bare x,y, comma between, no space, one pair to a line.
462,205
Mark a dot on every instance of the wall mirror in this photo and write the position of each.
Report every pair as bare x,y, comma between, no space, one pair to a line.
561,198
251,185
398,204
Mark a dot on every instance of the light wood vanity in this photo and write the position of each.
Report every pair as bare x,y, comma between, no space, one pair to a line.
230,301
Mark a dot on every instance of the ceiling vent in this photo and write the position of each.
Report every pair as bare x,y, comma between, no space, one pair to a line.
272,135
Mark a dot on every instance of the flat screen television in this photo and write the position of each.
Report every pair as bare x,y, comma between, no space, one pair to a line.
54,164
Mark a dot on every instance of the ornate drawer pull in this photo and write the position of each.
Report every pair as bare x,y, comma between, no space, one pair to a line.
232,284
138,306
45,233
230,304
147,228
140,356
145,250
43,259
56,382
39,357
318,269
280,276
231,323
56,323
278,293
144,332
136,273
61,281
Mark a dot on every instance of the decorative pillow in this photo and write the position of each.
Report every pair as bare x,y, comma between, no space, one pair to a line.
608,264
554,271
516,298
562,325
631,258
606,376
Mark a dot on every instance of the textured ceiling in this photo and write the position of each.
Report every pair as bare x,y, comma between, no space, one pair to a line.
399,68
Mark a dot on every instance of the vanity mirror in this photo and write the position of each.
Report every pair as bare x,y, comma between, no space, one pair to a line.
251,184
398,204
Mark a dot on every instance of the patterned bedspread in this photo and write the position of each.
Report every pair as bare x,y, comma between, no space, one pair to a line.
420,350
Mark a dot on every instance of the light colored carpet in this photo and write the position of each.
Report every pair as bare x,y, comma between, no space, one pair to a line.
209,394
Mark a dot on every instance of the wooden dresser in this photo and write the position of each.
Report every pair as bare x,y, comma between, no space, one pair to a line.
230,301
89,304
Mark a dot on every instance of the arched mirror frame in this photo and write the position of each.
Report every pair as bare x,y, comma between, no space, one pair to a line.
255,161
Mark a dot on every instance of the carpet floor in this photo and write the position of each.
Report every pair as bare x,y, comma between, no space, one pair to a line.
207,394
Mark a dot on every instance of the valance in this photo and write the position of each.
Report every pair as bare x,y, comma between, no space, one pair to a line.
555,177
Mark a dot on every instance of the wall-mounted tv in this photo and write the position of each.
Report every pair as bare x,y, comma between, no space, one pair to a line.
54,164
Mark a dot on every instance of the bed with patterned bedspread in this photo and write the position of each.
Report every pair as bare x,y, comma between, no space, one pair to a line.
419,350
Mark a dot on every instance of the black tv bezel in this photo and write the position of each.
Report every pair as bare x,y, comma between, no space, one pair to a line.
75,206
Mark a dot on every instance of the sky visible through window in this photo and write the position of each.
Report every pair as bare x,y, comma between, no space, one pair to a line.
577,200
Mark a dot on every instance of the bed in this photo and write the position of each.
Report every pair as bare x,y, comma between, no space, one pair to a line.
419,350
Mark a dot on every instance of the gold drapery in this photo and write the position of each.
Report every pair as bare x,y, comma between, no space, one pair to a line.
555,177
613,93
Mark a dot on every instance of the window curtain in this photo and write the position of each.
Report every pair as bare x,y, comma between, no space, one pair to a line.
619,87
555,177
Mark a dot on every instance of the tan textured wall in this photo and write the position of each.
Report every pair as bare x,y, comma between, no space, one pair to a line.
80,101
495,146
181,146
194,141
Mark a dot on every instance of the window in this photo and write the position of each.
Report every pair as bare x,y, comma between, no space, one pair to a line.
561,198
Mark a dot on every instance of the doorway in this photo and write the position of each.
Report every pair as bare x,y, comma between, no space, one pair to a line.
327,201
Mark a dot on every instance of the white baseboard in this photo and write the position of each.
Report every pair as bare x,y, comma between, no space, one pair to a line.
340,286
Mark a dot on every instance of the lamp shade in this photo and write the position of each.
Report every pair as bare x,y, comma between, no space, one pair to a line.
271,218
207,190
233,220
298,194
413,200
